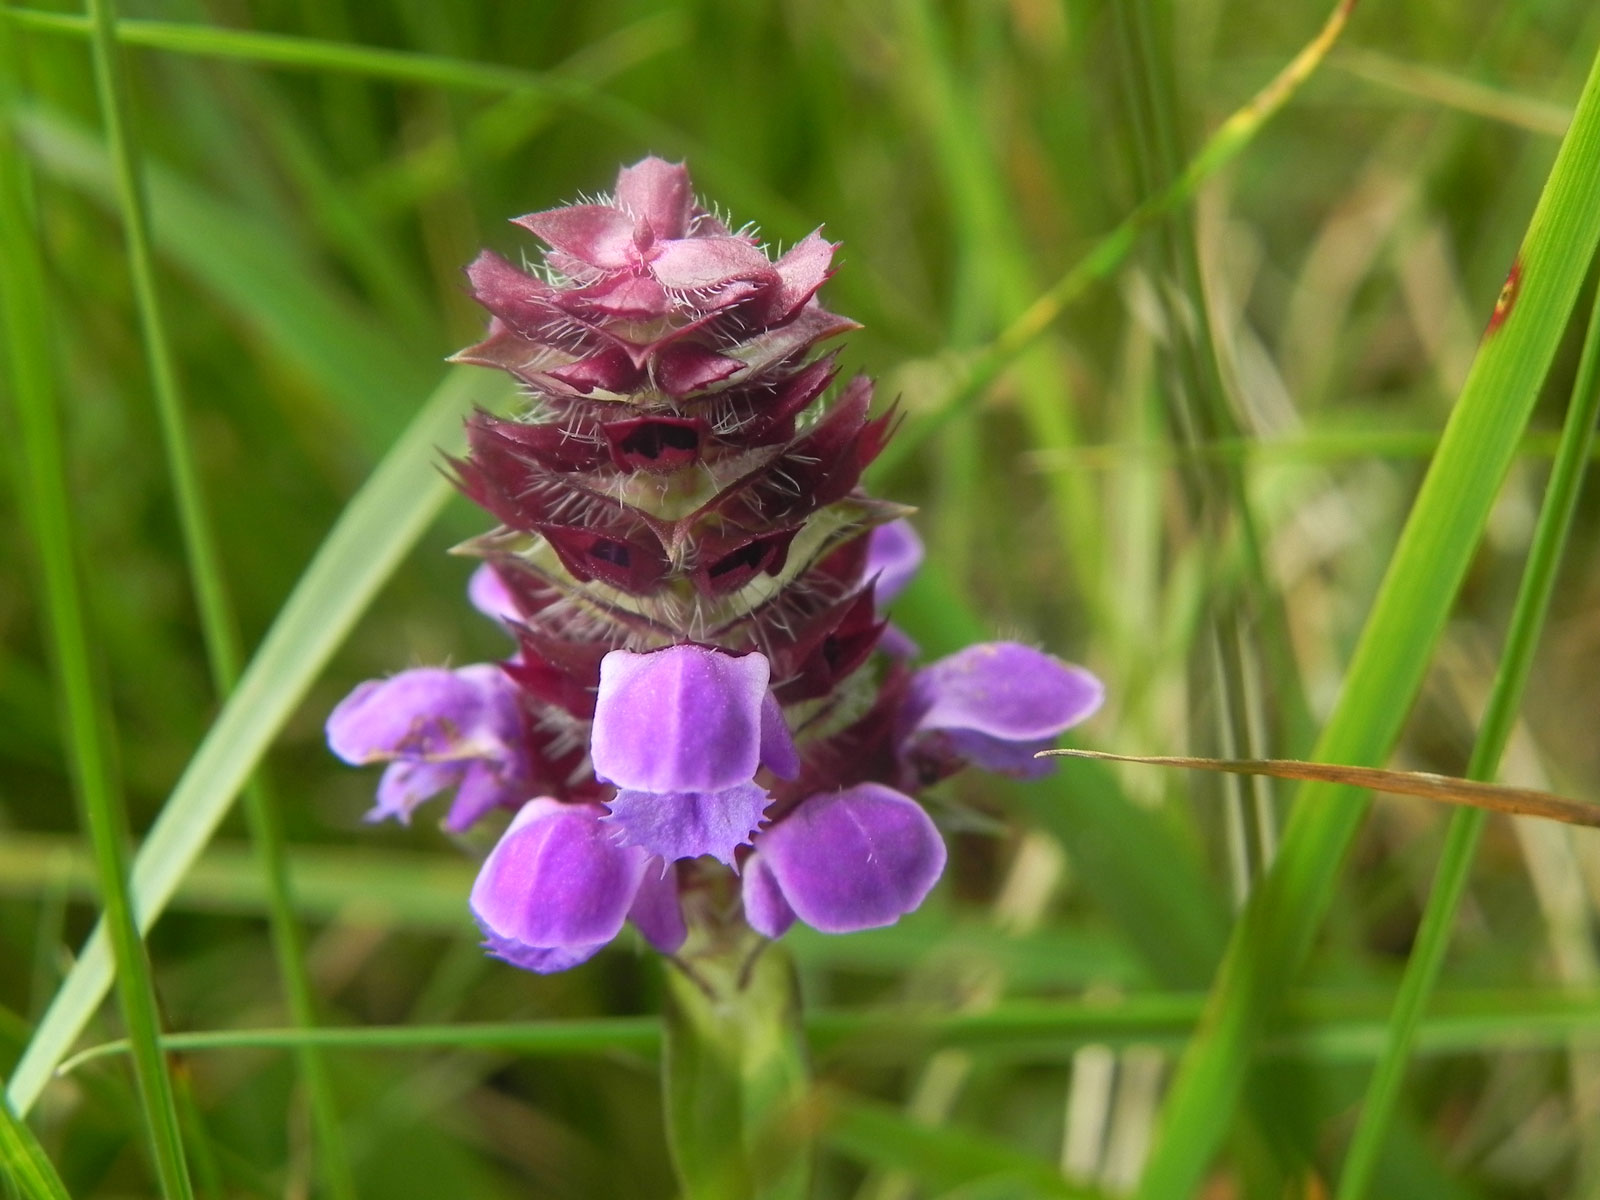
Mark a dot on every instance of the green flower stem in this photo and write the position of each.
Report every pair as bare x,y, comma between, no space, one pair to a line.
735,1075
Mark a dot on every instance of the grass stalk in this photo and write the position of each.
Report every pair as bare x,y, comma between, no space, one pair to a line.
85,709
1275,935
208,581
1499,718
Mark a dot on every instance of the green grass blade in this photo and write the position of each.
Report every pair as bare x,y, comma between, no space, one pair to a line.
218,625
304,319
1109,253
45,488
406,66
939,1155
24,1163
1273,939
1466,827
1328,1025
380,524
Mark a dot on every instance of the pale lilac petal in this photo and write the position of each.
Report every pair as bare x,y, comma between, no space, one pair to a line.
406,784
594,233
674,825
994,705
489,595
656,191
485,786
767,912
656,911
683,719
545,960
1004,690
849,860
556,880
778,751
698,264
894,552
429,713
897,643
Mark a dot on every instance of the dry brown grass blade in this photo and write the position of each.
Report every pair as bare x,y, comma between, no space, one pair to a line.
1445,789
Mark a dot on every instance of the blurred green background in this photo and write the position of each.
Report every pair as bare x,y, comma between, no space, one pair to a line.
1190,483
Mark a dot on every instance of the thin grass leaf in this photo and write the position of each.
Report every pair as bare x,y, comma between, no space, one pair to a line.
1274,937
24,1162
1332,1024
218,625
1112,250
1444,789
257,272
86,713
1464,95
375,531
938,1155
437,70
1505,699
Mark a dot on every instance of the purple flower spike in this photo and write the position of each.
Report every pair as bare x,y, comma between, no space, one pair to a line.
438,729
894,552
682,732
843,861
995,705
556,888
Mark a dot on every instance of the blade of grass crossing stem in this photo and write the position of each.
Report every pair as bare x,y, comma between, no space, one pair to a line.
1334,1024
1466,827
379,525
24,1162
217,623
1274,936
87,718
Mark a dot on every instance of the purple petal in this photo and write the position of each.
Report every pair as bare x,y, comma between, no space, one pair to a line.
897,643
490,595
1004,690
429,714
593,233
849,860
765,908
994,705
683,719
894,552
557,880
676,825
546,960
407,783
657,192
698,264
485,786
778,752
656,911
